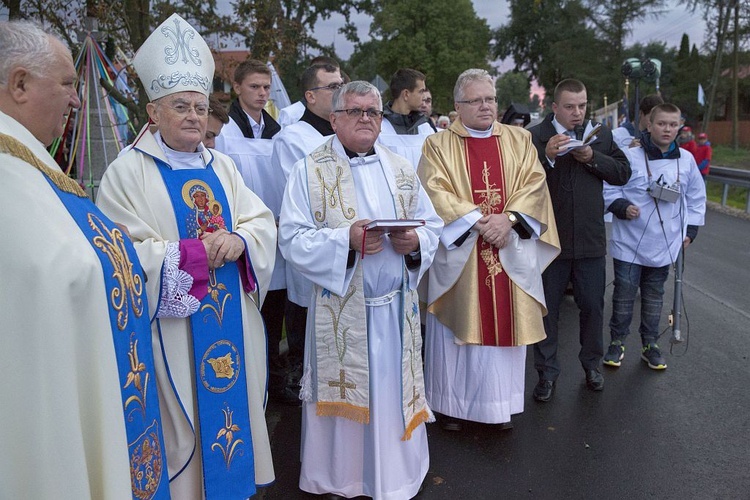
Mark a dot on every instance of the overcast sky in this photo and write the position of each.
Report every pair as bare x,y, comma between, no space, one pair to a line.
668,28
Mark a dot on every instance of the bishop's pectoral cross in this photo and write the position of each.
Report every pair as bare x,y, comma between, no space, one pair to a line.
490,195
342,384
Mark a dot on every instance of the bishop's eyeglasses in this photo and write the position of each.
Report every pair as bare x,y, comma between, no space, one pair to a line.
184,108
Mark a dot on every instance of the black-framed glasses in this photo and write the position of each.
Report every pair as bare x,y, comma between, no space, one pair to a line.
333,87
357,113
479,101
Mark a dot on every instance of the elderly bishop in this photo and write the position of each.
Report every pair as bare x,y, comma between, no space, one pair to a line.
207,244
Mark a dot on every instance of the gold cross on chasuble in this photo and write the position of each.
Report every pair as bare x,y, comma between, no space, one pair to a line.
491,197
485,169
342,384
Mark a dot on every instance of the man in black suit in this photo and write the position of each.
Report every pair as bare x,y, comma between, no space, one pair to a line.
574,178
252,84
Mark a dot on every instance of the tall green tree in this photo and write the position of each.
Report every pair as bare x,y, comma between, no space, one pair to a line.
689,71
512,86
441,41
717,14
582,39
614,20
550,41
264,26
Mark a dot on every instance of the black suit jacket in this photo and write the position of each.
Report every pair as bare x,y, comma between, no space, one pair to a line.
576,190
270,128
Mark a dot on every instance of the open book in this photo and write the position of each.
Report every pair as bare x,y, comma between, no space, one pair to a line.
389,225
589,135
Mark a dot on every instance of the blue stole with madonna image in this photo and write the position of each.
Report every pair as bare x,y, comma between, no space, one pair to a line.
131,331
200,206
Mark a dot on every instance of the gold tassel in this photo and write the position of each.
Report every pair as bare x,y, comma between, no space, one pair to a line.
419,419
344,410
13,147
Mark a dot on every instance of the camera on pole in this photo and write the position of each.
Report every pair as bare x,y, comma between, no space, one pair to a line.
636,70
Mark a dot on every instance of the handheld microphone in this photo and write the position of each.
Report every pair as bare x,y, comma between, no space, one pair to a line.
578,129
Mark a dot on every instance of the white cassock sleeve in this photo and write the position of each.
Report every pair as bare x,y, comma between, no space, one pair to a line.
320,255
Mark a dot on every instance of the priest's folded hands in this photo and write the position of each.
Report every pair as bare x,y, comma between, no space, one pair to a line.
494,228
222,246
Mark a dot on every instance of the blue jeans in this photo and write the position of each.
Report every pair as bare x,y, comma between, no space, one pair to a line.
628,278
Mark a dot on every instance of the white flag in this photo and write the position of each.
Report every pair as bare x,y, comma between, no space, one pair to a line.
701,95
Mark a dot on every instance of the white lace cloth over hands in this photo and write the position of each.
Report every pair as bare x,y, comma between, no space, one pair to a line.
175,301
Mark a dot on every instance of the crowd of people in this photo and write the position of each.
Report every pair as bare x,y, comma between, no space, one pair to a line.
142,333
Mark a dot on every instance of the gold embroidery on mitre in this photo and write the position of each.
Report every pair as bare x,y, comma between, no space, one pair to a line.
229,449
146,464
12,146
130,285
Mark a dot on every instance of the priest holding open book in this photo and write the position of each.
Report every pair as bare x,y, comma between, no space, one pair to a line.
363,394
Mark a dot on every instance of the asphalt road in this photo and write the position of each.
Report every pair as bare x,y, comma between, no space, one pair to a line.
683,433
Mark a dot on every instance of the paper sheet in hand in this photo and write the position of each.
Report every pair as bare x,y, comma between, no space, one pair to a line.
389,225
589,136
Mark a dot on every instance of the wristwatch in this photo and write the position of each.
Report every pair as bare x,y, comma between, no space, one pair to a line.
512,218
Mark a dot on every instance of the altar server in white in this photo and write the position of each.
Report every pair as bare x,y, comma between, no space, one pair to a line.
295,141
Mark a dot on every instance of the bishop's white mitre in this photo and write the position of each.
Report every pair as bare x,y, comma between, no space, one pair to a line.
174,58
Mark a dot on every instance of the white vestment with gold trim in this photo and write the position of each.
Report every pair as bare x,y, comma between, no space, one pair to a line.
339,455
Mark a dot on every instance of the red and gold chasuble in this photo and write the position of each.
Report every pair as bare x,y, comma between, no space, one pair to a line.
485,168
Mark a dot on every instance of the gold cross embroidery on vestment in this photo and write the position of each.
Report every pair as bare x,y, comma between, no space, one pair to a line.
342,384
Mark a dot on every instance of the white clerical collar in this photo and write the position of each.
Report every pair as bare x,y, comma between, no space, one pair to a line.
361,159
180,160
257,127
480,134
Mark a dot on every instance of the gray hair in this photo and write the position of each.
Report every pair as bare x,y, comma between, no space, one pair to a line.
358,87
25,44
470,76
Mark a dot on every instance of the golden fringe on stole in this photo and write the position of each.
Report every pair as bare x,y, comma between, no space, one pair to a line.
419,419
345,410
13,147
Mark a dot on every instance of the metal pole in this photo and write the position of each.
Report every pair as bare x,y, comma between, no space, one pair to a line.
677,307
636,108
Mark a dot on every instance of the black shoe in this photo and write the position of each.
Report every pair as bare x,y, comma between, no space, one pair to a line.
543,390
594,380
285,396
450,424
